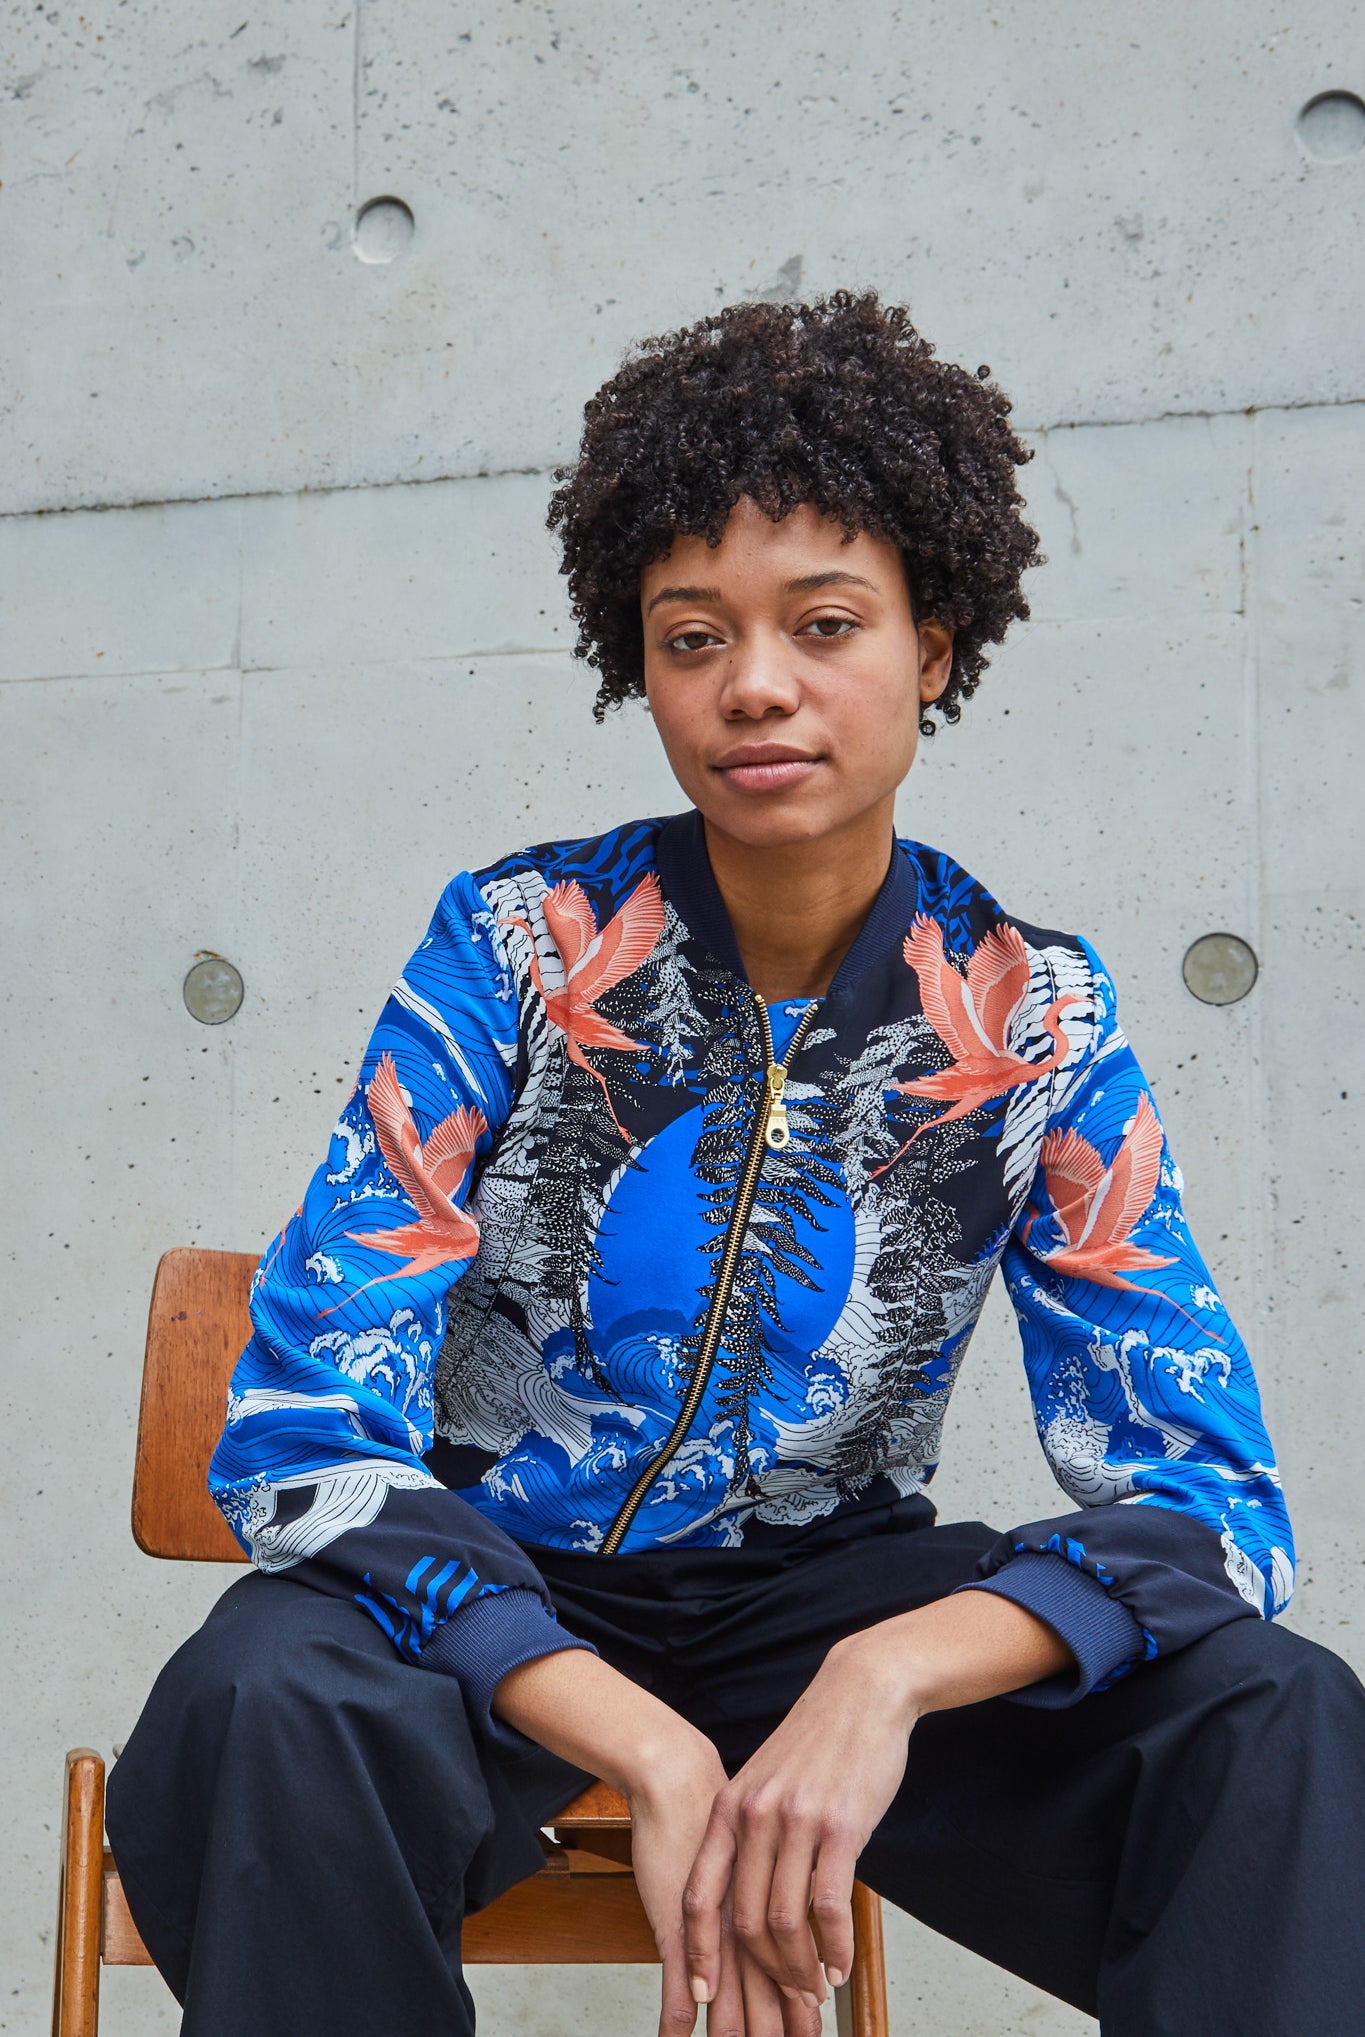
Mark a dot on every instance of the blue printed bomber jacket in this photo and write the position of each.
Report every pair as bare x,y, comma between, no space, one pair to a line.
675,1269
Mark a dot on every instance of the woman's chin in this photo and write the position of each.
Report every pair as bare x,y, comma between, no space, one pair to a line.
774,821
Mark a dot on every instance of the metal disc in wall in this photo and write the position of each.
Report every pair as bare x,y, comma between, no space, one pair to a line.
1219,968
213,991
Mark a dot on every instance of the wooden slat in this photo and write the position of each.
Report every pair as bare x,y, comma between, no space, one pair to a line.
585,1860
76,1999
196,1329
599,1804
120,1942
604,1843
591,1860
865,1996
563,1920
598,1821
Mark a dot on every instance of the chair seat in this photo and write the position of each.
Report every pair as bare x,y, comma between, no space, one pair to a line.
532,1924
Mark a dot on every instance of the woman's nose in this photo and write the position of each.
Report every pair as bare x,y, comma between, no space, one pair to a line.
759,679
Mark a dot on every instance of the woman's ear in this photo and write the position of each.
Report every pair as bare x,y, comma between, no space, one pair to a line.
935,659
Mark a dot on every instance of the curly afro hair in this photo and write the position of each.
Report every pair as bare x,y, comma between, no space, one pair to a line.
839,403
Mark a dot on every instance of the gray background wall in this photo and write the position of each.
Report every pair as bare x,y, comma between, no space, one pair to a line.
282,644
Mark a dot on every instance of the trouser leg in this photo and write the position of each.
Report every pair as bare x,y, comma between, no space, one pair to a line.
302,1821
1183,1856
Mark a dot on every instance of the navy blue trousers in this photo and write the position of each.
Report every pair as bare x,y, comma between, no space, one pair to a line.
302,1821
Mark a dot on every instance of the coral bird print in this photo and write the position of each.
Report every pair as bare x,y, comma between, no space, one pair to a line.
1096,1208
431,1172
595,961
972,1015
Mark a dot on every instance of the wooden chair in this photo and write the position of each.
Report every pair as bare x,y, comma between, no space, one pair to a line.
581,1908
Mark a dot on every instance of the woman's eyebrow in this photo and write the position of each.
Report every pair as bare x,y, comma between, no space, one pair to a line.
808,583
684,594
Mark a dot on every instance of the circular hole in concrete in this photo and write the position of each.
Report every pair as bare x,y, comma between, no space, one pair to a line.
213,991
1332,126
1219,968
383,230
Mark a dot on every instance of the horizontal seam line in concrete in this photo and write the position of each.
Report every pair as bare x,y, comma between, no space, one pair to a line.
503,473
271,494
423,658
308,665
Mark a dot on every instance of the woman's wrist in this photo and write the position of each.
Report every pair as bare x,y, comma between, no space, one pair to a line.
675,1761
580,1708
882,1665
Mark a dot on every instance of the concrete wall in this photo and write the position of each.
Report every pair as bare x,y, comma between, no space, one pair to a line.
295,649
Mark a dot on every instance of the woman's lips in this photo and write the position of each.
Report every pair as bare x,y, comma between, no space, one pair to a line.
775,772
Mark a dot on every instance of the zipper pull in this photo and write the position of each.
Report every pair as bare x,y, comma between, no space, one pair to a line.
776,1131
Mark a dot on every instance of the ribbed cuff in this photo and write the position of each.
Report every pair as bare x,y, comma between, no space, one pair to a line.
485,1639
1097,1627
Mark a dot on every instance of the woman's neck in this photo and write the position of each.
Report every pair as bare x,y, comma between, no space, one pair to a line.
796,909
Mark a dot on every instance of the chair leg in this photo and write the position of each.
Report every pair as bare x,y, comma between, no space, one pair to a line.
76,1991
860,2006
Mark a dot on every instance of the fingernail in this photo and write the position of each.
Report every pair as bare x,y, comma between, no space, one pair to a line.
834,1975
701,1989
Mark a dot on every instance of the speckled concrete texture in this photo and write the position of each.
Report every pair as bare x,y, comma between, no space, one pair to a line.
277,655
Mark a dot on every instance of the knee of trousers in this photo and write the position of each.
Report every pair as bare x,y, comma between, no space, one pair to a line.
1283,1697
289,1720
1275,1661
1311,1686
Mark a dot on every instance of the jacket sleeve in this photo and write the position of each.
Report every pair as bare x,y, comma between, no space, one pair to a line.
1142,1392
319,1469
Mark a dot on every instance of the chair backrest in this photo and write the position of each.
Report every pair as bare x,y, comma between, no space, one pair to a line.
196,1329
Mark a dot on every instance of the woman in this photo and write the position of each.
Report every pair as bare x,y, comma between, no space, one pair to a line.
602,1370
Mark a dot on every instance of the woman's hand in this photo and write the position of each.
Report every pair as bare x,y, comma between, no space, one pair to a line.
669,1815
580,1708
749,2003
670,1774
784,1836
669,1809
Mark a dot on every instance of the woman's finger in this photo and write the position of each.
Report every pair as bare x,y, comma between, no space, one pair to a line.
766,2009
750,1885
760,1839
704,1897
798,2018
831,1904
677,2009
725,2011
789,1923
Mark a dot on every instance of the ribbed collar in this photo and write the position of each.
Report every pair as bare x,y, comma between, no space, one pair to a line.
690,886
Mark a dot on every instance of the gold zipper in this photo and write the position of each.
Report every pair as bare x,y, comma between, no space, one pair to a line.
771,1129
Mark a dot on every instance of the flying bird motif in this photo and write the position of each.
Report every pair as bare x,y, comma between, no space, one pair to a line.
1096,1208
595,961
432,1174
973,1016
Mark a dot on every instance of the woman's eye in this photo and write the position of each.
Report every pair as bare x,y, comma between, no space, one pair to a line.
827,626
690,640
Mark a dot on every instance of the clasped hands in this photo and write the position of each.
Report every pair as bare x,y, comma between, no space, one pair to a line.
748,1880
755,1918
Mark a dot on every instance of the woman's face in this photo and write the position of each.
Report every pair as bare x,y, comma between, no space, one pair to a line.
786,674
